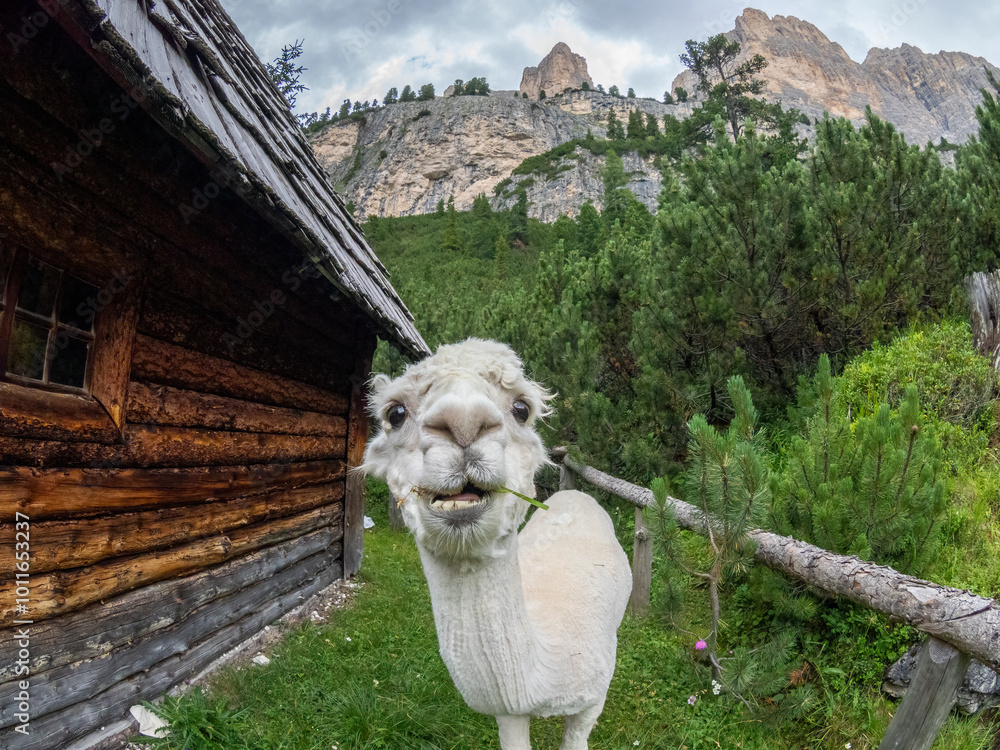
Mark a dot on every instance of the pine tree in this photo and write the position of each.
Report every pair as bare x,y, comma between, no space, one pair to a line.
872,487
682,94
408,94
978,185
501,259
452,236
636,126
727,480
652,126
631,93
286,73
391,97
733,85
615,130
426,93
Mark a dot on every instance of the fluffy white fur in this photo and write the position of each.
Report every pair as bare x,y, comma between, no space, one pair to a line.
527,623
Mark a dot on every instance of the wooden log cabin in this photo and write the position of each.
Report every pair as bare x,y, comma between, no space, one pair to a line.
187,318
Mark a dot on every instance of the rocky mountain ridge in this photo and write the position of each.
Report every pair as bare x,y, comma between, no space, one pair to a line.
404,158
926,96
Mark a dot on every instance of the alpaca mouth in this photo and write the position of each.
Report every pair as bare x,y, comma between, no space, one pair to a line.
466,498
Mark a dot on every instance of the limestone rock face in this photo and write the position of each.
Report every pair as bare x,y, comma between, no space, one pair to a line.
927,96
406,157
558,70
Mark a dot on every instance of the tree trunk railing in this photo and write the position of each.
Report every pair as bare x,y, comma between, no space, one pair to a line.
960,625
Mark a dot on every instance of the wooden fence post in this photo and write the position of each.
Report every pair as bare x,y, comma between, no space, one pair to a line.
642,566
929,699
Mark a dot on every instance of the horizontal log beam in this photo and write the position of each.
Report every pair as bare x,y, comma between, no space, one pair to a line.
149,446
63,686
43,415
175,407
257,334
62,545
969,622
164,363
61,727
97,630
61,493
58,592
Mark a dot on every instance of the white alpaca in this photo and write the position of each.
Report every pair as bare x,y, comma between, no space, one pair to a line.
527,623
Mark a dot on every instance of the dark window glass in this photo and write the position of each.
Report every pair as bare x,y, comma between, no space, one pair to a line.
39,285
69,361
27,349
76,303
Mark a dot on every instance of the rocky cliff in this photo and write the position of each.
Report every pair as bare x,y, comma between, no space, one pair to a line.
404,158
559,70
927,96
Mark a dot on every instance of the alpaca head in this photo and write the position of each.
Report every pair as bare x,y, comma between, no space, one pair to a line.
452,430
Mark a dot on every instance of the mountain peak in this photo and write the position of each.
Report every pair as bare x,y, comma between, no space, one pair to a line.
558,70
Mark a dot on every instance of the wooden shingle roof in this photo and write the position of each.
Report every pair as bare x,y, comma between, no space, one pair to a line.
196,74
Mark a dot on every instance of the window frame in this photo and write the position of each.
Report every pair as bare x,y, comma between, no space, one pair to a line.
31,409
9,312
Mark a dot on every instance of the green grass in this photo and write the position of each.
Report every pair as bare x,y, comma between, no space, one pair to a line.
371,679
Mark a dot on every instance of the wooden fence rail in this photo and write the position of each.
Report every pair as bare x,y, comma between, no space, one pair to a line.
959,624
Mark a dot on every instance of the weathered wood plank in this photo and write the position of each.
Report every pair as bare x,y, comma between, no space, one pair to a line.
175,407
42,415
642,566
97,630
63,686
58,592
65,544
160,362
148,446
357,435
114,337
256,334
59,728
929,699
60,493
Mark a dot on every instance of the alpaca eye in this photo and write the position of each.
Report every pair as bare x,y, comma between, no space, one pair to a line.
396,415
520,411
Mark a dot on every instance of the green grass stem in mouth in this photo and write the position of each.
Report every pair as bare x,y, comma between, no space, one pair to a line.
531,500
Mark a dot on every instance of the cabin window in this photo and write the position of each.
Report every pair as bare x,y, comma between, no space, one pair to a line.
46,323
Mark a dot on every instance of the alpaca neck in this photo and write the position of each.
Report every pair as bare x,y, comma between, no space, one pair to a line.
486,638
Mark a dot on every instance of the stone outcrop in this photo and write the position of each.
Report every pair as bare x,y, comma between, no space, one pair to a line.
979,690
559,70
406,157
927,96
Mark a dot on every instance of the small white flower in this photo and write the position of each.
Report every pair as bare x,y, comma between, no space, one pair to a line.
716,687
848,746
348,639
375,683
636,743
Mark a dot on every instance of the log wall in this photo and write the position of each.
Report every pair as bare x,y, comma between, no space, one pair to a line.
215,497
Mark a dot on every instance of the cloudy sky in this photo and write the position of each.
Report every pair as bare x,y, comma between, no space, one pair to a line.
358,50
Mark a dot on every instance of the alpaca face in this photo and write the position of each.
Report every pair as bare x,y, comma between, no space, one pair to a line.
454,429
